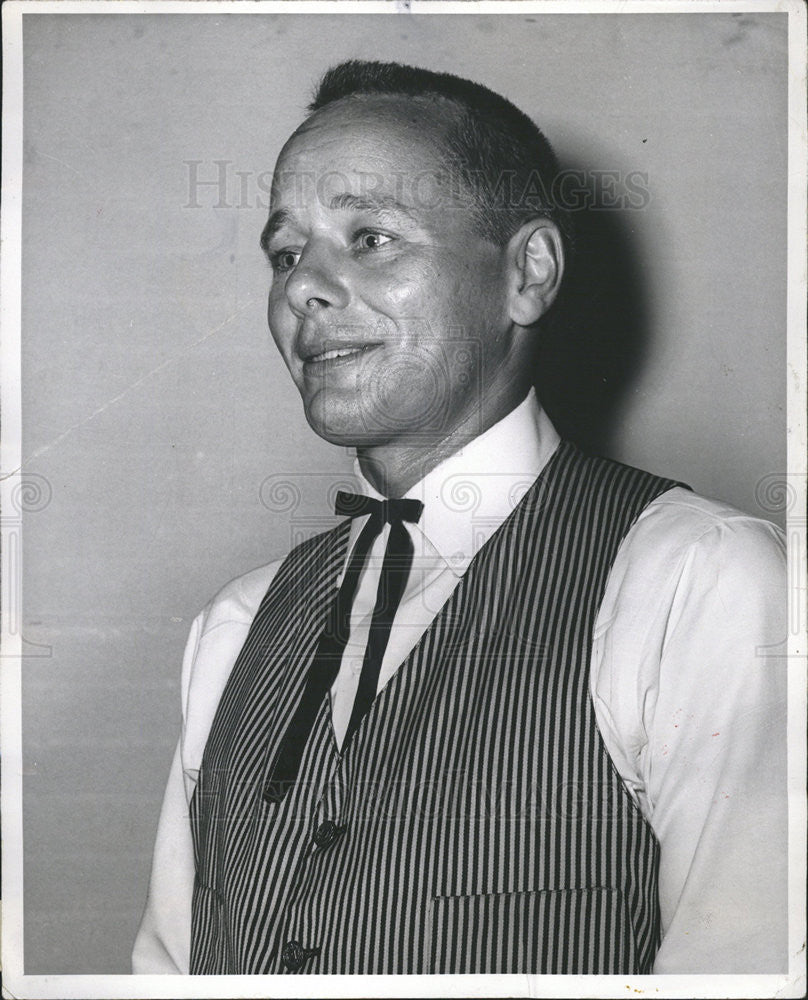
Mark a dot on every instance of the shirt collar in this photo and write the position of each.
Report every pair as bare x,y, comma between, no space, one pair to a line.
470,494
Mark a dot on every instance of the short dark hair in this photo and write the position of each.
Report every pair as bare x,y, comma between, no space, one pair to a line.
502,157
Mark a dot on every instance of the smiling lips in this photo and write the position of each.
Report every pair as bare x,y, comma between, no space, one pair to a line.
335,355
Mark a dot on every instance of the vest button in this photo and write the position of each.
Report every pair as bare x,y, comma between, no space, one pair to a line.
294,955
326,833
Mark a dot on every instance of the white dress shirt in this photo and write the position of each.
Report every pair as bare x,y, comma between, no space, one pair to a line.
687,684
466,498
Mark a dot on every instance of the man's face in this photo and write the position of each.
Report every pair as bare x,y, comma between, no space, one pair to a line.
386,305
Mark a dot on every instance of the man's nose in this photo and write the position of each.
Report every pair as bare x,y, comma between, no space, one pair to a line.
316,282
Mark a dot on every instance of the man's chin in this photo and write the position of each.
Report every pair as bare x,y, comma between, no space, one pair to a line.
345,426
355,422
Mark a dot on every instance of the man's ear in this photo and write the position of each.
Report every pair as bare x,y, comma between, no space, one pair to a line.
536,260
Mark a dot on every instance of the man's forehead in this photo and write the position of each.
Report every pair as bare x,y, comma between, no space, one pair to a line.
367,123
396,109
378,150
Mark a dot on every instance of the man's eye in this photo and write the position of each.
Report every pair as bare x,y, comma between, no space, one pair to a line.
284,260
370,240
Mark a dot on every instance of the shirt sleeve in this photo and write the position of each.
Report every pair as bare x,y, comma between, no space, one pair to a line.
689,685
163,943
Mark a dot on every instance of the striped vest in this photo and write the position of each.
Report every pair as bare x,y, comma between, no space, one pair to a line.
475,823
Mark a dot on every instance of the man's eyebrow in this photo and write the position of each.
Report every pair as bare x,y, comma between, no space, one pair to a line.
376,203
276,221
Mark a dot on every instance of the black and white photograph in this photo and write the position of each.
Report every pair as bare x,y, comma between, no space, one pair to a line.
403,499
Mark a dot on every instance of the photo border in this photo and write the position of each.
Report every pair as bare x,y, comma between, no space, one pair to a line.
88,987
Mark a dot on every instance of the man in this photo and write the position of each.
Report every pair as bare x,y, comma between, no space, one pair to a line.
537,732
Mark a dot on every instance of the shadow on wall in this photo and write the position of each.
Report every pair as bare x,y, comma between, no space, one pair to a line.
596,338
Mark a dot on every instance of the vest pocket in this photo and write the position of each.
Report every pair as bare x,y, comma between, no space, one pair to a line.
557,931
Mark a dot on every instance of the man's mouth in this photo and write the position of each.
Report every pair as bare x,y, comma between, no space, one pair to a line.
349,352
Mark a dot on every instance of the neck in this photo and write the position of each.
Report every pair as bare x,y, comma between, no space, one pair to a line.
395,467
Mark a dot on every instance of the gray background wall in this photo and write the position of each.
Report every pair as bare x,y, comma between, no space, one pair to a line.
155,407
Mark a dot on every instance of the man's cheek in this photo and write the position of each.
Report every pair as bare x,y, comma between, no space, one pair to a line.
399,299
411,294
284,347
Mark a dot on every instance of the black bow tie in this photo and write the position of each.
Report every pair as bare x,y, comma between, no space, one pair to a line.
331,644
392,511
